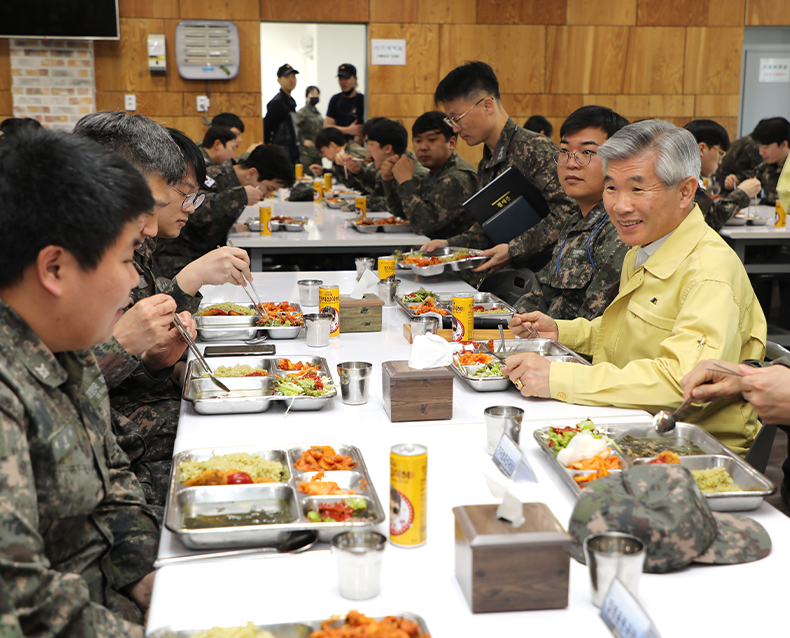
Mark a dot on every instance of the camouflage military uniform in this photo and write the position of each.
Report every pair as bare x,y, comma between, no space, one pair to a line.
718,211
590,256
145,407
768,174
433,203
309,123
369,181
74,526
208,226
206,157
741,159
533,154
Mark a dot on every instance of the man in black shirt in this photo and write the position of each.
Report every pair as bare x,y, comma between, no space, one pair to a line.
346,110
279,125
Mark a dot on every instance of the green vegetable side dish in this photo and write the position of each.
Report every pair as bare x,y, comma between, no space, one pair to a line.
558,438
292,387
418,297
490,369
356,502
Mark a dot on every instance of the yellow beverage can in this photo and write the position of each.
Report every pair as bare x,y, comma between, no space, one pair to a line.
327,181
329,303
265,215
318,191
463,317
361,206
386,266
298,170
781,215
408,495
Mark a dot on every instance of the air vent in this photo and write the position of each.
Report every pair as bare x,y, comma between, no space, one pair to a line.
207,50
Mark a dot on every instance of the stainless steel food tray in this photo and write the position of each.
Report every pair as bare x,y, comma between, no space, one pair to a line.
214,500
249,394
298,629
552,350
716,453
385,228
480,384
486,299
241,327
429,271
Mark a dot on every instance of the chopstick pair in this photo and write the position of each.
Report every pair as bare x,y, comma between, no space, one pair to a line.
256,301
720,368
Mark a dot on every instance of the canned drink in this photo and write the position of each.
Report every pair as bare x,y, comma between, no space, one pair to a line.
386,266
408,495
781,216
361,206
329,302
327,181
318,191
463,317
265,215
298,170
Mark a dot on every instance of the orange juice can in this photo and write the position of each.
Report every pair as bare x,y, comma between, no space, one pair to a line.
329,303
781,215
386,266
265,215
361,206
463,317
327,181
298,170
408,495
318,191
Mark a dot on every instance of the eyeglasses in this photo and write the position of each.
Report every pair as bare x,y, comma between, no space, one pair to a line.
454,121
192,198
563,157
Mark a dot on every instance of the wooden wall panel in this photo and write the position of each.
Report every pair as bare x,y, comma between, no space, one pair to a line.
727,13
654,63
716,106
520,12
400,104
767,12
6,97
242,104
611,12
447,11
713,60
420,74
123,65
637,107
388,11
472,154
522,106
148,8
516,53
586,59
313,11
673,13
220,10
148,104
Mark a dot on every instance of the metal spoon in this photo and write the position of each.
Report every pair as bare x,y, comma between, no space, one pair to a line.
196,351
293,543
664,422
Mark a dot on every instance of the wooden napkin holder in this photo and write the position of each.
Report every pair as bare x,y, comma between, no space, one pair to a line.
416,395
360,315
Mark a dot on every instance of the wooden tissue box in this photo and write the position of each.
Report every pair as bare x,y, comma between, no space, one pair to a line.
500,568
416,395
360,315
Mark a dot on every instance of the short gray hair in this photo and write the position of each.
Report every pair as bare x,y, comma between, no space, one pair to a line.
676,149
139,140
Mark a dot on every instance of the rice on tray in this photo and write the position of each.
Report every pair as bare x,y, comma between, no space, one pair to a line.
253,464
715,479
239,370
246,631
227,307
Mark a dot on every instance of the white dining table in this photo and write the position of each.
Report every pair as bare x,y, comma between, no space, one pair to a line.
272,589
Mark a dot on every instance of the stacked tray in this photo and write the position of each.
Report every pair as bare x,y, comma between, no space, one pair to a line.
209,505
299,629
552,350
480,384
241,327
755,487
501,315
249,394
475,258
386,228
293,225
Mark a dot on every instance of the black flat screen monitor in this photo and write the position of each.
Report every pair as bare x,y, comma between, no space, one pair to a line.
60,19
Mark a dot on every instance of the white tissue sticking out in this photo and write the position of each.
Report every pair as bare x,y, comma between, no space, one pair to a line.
511,510
366,281
582,446
431,351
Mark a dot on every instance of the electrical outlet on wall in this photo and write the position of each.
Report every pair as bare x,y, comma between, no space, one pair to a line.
202,103
130,102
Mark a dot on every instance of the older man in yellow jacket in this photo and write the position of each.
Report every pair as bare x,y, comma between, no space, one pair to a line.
684,296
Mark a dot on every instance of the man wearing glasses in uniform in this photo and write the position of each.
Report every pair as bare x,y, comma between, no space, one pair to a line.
469,95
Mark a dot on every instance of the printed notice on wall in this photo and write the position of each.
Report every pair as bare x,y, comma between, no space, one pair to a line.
774,69
391,52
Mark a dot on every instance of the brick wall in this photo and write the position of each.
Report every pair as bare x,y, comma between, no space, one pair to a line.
53,81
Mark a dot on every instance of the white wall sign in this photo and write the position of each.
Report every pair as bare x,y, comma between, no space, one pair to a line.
774,69
388,52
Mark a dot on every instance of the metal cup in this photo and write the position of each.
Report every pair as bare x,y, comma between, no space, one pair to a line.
317,326
359,560
386,290
355,381
501,420
611,554
423,325
363,264
308,291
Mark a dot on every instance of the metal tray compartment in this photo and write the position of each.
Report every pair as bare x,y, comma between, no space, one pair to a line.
396,228
305,403
482,384
227,328
447,251
186,501
300,629
543,347
284,332
485,299
715,453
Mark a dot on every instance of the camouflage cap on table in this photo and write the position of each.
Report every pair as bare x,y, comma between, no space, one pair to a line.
662,505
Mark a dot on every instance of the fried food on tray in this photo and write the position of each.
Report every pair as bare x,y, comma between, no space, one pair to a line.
317,486
667,456
428,306
221,477
283,306
298,369
319,458
473,358
356,625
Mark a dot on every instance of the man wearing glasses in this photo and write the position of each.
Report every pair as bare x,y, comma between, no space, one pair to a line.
469,95
583,276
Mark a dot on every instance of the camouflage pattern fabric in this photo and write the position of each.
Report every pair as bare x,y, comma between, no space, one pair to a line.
369,181
208,226
590,256
74,526
339,173
533,154
741,159
662,505
309,123
9,624
768,174
206,157
718,211
433,204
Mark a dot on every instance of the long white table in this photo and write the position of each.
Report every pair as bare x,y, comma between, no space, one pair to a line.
303,587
